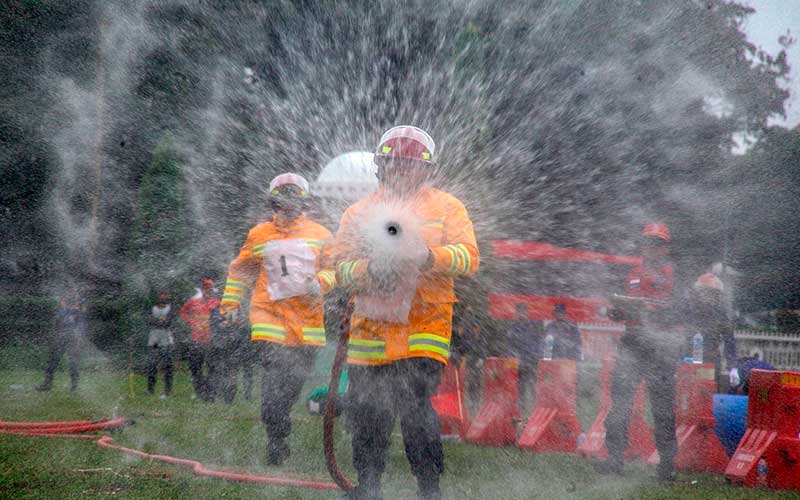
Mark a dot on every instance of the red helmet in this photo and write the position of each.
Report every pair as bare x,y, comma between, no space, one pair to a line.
656,230
710,281
406,142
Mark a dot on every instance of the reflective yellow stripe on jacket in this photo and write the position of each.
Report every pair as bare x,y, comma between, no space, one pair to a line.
361,350
429,342
266,331
233,292
314,336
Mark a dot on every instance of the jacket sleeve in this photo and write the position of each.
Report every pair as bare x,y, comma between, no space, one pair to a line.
183,312
242,275
349,271
459,256
326,272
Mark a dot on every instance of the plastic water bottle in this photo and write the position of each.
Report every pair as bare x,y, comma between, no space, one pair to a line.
761,473
548,347
697,348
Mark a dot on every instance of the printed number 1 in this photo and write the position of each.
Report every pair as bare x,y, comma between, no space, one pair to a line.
284,271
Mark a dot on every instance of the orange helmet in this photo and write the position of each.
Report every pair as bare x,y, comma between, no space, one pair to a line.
656,230
710,281
405,142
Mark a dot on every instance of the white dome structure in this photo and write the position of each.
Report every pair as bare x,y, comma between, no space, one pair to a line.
348,177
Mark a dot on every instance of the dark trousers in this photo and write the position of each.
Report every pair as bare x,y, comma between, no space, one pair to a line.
248,358
527,383
375,397
197,354
285,371
223,369
657,366
60,344
160,357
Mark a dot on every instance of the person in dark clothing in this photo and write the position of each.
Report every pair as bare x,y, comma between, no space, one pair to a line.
161,343
70,331
247,358
525,343
747,365
648,349
705,314
566,336
465,345
225,358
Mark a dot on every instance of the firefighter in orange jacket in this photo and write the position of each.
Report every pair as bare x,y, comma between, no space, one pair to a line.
396,362
279,262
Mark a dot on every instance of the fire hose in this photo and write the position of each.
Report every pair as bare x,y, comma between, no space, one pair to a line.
73,429
331,400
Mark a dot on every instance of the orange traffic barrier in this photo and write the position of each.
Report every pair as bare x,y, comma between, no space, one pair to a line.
494,425
699,448
773,423
641,444
449,402
553,424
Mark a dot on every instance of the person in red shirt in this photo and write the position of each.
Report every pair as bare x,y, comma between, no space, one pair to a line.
196,312
648,350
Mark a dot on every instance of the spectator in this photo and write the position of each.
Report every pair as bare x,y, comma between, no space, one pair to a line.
160,343
196,312
566,336
70,330
747,365
225,358
525,344
705,314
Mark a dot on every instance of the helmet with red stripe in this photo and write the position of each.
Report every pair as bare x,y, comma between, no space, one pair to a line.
656,230
405,142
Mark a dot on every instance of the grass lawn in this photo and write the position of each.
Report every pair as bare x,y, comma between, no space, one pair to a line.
232,438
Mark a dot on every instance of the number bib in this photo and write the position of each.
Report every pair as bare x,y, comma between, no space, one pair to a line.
289,265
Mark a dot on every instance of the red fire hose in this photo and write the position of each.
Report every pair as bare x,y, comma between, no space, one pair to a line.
70,430
329,410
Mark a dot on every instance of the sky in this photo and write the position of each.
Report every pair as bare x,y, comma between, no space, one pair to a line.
771,20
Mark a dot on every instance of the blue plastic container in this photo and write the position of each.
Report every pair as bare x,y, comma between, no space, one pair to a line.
730,412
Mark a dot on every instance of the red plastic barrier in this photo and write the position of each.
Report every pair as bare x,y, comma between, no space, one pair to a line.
641,444
494,425
553,424
449,402
773,423
699,448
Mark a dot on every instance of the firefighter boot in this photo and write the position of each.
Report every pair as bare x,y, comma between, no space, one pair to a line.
428,488
609,466
277,451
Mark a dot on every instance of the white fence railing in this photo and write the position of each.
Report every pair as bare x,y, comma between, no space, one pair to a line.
780,349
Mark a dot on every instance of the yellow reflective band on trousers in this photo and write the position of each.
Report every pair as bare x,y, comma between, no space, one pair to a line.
264,331
314,336
366,349
429,342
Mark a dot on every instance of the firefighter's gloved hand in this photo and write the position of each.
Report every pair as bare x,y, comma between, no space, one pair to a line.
312,286
616,315
733,377
426,263
232,317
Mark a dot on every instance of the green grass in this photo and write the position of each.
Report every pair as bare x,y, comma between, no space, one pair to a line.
232,438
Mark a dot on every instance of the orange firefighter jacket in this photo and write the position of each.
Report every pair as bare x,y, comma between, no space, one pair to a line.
291,321
447,231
